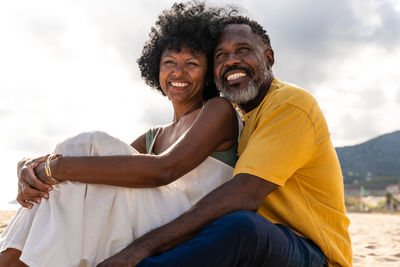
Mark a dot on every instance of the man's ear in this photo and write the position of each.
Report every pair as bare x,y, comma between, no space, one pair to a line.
269,54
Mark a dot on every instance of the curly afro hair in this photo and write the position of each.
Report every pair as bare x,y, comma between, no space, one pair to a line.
189,24
255,27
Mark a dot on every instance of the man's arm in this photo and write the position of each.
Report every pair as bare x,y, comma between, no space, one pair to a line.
244,192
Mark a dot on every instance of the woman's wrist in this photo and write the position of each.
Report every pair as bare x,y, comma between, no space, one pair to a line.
50,168
55,169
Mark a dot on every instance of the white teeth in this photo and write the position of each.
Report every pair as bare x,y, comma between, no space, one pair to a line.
235,76
179,84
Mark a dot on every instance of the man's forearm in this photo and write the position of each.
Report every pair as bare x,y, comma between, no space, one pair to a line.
242,193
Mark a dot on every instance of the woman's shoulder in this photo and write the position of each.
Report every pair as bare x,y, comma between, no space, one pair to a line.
225,118
220,105
218,100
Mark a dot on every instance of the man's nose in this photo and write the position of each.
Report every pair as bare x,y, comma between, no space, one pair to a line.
232,60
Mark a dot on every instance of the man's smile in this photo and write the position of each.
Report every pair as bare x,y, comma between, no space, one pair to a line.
235,76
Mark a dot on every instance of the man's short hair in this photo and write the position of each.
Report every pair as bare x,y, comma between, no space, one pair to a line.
255,27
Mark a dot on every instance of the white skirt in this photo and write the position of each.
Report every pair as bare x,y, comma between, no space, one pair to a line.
83,224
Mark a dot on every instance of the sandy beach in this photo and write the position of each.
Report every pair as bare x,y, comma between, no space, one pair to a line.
375,238
5,217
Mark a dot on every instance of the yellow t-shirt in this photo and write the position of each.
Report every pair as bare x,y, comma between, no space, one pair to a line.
286,141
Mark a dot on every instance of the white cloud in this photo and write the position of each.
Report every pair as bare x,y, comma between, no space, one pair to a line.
398,96
359,96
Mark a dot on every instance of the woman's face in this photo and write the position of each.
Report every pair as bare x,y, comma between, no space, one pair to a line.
182,74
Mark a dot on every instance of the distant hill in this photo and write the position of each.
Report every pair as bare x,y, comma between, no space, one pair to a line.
378,157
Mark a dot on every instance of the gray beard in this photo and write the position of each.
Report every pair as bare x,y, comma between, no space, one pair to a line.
242,96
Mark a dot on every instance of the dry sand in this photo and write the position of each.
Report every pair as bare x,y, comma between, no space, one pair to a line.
5,217
375,238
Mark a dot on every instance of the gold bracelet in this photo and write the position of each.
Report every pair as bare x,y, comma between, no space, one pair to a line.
47,168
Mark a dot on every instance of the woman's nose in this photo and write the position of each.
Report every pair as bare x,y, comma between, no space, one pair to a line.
179,70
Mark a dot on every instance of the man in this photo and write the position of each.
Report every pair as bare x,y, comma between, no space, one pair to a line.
287,170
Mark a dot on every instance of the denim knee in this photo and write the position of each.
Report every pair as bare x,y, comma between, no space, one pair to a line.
239,220
242,224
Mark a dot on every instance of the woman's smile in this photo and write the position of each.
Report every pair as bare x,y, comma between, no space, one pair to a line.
179,85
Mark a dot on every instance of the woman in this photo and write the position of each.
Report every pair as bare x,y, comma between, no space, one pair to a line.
198,147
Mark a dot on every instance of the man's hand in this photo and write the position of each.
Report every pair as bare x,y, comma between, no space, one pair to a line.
128,257
30,188
115,262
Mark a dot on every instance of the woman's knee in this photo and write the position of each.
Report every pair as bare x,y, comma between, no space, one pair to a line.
84,144
93,137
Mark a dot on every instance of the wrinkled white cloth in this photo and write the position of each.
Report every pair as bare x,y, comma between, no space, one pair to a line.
83,224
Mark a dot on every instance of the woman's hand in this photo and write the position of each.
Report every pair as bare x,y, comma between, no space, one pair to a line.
30,188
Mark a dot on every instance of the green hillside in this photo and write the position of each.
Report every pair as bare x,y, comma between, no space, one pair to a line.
374,163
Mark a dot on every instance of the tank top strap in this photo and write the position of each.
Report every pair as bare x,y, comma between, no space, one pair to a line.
151,136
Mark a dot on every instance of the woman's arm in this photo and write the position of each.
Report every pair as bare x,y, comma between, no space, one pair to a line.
215,127
140,144
31,189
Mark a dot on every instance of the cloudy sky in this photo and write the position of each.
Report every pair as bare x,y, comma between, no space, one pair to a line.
68,67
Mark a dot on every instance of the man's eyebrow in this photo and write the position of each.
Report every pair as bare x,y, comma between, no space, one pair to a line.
217,49
241,43
235,44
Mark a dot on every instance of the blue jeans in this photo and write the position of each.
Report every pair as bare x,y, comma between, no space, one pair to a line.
241,238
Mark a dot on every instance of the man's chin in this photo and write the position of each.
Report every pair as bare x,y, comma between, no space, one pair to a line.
240,95
238,98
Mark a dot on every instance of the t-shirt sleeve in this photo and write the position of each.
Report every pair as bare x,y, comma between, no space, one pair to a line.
281,143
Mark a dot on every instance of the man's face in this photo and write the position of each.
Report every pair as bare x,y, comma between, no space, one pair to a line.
242,63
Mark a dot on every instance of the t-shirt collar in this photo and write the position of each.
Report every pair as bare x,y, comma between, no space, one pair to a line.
274,85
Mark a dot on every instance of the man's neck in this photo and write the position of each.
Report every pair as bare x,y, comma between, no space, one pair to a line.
249,106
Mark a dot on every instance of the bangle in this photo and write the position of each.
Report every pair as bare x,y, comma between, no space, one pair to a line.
47,168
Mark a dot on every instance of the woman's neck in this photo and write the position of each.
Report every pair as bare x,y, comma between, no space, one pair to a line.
184,116
181,111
